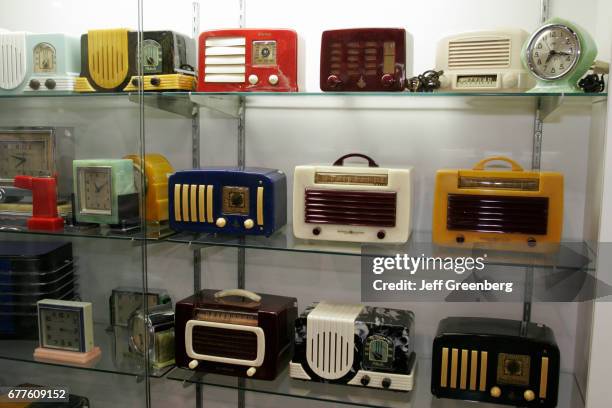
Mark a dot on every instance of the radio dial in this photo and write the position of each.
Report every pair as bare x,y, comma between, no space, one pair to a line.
251,371
253,79
50,83
248,223
529,395
273,79
334,81
34,84
221,222
387,80
193,364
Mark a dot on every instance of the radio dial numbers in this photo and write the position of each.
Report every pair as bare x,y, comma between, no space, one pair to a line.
44,59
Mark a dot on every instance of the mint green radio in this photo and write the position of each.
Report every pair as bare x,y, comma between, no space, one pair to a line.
54,60
558,54
105,192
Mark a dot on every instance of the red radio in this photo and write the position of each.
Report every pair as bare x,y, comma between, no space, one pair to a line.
365,59
248,60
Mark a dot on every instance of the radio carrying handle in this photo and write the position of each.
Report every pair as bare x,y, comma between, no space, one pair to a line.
340,161
238,292
482,164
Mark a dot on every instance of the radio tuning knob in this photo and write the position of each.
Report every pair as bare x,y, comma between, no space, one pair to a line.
386,382
155,81
221,222
511,80
496,392
529,395
50,83
387,80
273,79
248,223
34,84
334,81
365,380
193,364
251,371
135,82
253,79
444,82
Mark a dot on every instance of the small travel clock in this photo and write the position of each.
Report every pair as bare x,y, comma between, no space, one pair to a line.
126,300
104,191
66,331
158,327
558,54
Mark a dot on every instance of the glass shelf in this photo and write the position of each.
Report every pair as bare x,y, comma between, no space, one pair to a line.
570,255
569,395
23,350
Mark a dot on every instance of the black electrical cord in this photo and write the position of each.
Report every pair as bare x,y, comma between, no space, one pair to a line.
592,83
428,81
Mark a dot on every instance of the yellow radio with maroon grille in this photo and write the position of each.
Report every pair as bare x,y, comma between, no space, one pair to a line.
497,208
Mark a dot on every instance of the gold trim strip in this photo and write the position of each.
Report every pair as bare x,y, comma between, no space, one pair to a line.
201,203
177,203
464,366
444,368
483,370
209,203
544,377
474,370
186,203
454,368
194,201
260,197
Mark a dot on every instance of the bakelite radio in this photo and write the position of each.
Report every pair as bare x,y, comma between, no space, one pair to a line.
365,59
490,360
251,201
352,203
235,332
500,209
483,61
355,345
109,61
248,60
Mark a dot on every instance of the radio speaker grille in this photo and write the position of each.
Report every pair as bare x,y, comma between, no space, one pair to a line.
501,214
225,59
108,57
12,60
359,208
356,58
237,344
473,53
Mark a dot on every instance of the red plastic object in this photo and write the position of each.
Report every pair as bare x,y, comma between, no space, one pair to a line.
44,200
225,57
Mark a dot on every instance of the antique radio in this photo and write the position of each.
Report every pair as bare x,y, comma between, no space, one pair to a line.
365,59
126,300
157,326
351,203
248,60
226,199
500,209
109,61
490,360
235,332
483,61
355,345
156,169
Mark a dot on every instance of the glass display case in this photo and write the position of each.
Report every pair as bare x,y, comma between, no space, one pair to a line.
112,106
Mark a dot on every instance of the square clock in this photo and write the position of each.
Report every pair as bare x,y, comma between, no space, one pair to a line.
105,191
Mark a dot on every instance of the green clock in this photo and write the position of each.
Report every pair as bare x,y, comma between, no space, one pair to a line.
558,54
104,191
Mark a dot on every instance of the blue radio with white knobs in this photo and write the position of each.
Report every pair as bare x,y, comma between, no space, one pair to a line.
250,201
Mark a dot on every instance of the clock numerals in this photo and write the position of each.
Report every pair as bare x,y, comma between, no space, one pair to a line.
24,156
95,190
44,59
552,52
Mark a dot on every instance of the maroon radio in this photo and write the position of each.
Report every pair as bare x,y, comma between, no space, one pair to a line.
235,332
365,59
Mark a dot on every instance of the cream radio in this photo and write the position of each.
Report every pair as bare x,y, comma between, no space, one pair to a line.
352,203
483,61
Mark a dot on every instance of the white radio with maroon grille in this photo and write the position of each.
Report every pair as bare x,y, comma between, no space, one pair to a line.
352,203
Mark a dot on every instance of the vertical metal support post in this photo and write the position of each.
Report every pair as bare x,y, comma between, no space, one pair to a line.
544,10
241,258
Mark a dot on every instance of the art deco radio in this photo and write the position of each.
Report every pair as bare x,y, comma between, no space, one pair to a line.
508,210
248,60
109,61
483,61
225,199
488,360
355,345
235,332
352,203
365,59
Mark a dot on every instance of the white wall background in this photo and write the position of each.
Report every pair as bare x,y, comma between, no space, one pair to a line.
281,134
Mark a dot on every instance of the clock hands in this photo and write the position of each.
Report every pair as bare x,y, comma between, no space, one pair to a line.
98,189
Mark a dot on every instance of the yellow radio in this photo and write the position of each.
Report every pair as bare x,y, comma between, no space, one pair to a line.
499,209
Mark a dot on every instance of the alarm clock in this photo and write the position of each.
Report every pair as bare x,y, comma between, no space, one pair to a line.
66,331
105,192
157,326
558,54
156,170
126,300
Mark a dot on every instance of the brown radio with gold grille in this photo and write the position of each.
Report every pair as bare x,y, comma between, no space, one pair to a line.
498,208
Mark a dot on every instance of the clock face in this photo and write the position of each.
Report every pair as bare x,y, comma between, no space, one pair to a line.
44,59
152,52
61,329
95,190
25,154
553,52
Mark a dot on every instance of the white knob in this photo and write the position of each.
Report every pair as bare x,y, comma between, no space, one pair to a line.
193,364
251,371
510,81
253,79
444,82
221,222
273,79
248,223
